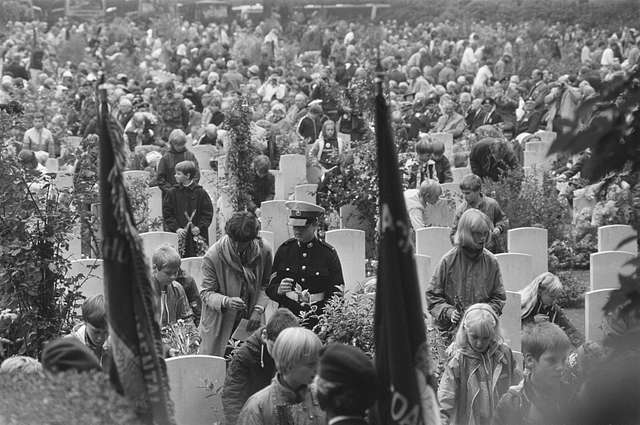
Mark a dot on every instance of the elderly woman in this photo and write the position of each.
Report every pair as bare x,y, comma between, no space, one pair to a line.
467,274
540,297
235,272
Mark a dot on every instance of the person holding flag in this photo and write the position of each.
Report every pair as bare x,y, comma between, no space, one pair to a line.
402,353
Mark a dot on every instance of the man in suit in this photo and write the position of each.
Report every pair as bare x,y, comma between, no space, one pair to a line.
347,384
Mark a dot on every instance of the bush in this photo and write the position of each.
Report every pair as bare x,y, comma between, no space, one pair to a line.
67,398
574,290
526,203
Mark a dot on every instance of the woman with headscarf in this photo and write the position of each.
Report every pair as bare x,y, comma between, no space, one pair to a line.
236,270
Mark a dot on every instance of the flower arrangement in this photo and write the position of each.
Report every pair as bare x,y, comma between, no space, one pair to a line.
179,339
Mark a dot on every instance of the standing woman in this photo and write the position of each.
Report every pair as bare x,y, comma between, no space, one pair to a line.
540,298
467,274
235,272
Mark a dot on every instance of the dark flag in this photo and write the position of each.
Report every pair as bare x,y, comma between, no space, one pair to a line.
134,331
402,351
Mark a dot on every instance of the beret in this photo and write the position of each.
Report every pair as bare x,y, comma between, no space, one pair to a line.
347,365
69,353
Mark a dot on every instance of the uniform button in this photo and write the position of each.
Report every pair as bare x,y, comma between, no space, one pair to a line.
317,273
304,254
303,267
302,279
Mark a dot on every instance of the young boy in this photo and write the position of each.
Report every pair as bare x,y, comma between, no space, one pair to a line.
264,183
177,153
252,367
431,164
170,302
187,202
288,399
542,397
93,331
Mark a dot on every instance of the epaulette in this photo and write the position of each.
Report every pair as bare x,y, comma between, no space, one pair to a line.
327,245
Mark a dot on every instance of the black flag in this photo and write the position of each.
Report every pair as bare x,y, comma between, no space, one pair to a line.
133,329
402,352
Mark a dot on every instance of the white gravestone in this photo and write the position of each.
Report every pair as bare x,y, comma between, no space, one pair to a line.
447,139
193,267
306,193
532,241
269,238
293,172
442,213
433,242
424,271
52,165
610,237
133,175
274,217
604,268
196,388
451,187
209,182
153,240
92,271
511,321
350,245
594,301
75,243
459,173
63,181
204,154
154,195
516,270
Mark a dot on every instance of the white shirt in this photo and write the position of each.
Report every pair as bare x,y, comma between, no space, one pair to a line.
607,57
585,55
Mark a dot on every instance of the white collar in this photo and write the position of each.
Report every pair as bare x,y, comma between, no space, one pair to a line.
337,419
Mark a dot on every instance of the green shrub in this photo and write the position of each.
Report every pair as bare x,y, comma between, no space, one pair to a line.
67,398
574,290
526,203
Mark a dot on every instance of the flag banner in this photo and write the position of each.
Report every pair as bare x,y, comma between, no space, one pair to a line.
133,331
402,351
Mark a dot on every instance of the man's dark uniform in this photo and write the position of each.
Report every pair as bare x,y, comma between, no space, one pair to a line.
313,265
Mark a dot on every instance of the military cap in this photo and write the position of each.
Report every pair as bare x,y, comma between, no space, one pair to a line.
347,365
303,213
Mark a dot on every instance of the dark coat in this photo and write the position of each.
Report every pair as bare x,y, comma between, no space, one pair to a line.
251,369
492,158
181,200
167,165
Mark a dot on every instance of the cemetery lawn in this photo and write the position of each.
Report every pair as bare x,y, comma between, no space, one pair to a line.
576,315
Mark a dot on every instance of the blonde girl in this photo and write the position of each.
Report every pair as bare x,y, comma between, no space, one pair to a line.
480,369
540,299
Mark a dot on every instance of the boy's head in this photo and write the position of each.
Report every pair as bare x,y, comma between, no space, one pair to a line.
94,316
185,171
545,348
21,364
295,354
178,140
471,186
165,264
282,319
261,165
424,150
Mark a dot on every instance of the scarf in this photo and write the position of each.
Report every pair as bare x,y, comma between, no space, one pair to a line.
244,265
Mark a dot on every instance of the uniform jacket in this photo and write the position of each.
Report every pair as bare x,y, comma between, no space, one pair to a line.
167,165
224,276
250,370
314,266
463,380
181,200
473,280
279,405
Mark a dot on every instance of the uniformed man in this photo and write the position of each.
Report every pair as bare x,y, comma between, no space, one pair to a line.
306,270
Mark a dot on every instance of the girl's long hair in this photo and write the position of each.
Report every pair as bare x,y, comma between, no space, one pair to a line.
530,294
481,317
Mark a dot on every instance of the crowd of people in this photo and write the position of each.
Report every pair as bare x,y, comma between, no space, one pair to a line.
309,86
